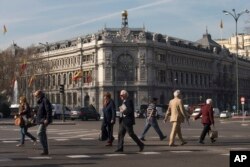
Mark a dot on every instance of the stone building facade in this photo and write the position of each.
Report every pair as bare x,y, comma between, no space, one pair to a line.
144,63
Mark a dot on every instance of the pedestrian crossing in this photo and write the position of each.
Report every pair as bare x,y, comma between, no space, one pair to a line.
62,135
91,156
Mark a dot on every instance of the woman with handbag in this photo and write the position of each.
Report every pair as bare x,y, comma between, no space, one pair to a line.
24,115
207,120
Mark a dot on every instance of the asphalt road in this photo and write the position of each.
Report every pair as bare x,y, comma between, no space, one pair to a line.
76,144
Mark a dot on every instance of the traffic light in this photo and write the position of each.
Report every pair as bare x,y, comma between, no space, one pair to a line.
61,89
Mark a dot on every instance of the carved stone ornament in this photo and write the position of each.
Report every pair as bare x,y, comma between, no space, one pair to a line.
125,31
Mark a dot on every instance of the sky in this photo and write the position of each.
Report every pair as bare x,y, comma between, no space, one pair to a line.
30,22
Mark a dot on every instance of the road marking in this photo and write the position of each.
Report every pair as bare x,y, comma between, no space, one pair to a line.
238,148
5,159
87,138
9,141
78,156
114,155
61,139
181,151
149,153
226,154
35,158
244,124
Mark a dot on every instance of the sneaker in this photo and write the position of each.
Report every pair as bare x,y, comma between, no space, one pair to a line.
20,145
183,143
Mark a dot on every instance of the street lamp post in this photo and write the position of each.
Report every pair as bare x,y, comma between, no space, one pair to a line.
47,48
236,17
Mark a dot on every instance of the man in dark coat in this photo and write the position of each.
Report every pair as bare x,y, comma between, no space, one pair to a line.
43,119
126,122
207,119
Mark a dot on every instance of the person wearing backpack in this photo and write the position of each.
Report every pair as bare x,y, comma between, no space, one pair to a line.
151,120
43,119
25,114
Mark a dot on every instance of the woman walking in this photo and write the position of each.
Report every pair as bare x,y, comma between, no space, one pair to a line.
25,113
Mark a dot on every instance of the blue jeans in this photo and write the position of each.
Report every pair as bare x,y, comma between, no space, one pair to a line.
152,121
24,132
41,132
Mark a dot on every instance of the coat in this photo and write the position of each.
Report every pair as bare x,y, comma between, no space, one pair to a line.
109,112
129,117
44,111
176,111
207,114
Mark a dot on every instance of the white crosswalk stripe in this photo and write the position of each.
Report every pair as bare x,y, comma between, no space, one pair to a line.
41,157
78,156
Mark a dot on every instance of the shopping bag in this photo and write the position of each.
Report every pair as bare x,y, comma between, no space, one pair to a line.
213,134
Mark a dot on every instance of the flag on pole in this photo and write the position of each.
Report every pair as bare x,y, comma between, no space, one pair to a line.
23,67
221,24
4,29
77,75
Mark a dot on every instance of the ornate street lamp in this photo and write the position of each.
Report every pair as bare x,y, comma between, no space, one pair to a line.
46,45
236,17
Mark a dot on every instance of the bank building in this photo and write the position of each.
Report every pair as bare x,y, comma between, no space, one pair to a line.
145,63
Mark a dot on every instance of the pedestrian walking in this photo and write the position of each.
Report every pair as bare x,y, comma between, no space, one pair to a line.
44,118
177,115
109,117
207,120
25,114
126,122
151,120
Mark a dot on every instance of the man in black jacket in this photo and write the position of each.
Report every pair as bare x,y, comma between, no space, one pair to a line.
126,122
44,118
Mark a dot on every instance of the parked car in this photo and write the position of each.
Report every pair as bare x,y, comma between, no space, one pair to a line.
196,112
160,111
57,111
225,114
216,112
141,113
14,108
85,113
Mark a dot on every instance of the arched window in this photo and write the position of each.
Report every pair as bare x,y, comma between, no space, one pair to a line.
125,68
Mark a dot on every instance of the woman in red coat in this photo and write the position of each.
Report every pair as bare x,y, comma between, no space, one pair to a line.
207,119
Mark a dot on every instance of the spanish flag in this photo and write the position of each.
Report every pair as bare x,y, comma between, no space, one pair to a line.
4,29
23,67
31,80
77,75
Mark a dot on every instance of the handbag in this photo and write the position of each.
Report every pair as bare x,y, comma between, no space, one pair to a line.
19,121
213,134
